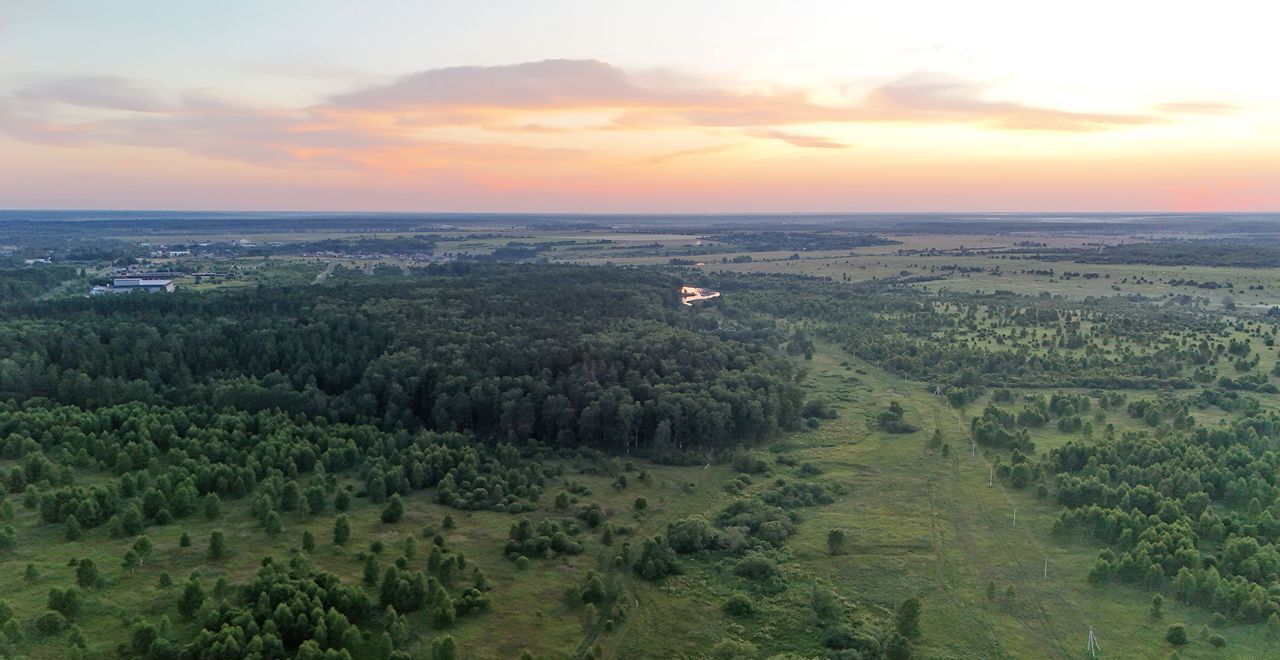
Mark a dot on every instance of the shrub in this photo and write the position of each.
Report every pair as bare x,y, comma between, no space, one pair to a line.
739,606
835,541
50,623
756,566
689,535
394,510
656,560
1176,635
907,619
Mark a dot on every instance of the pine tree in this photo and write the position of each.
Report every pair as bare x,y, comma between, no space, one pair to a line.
191,599
394,510
87,574
217,544
341,530
212,506
835,541
594,591
273,524
444,648
907,619
71,528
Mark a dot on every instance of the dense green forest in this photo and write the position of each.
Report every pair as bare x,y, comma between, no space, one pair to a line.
131,414
566,355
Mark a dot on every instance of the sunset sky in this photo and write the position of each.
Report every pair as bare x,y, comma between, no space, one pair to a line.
655,106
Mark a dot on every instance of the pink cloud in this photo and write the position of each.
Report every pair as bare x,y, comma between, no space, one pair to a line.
381,126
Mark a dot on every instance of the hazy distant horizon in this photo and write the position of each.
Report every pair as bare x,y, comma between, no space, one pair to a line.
9,213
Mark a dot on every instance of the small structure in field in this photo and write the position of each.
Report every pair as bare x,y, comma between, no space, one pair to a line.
692,294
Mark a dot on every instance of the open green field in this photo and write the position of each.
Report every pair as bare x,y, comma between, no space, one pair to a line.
928,525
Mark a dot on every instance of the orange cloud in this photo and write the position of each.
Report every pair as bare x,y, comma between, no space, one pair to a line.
808,141
503,117
1198,107
938,99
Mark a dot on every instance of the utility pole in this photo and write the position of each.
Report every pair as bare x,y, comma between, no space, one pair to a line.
1015,516
991,480
1094,648
1046,567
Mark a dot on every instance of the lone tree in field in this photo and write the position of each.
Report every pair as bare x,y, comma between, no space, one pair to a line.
212,506
1157,606
444,648
274,524
71,528
835,541
341,530
130,561
1176,635
142,546
87,575
217,544
890,421
907,619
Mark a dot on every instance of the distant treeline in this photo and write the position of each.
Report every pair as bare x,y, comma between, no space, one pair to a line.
1240,254
416,244
765,241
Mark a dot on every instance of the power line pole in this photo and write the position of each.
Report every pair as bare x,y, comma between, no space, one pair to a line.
1046,567
991,480
1094,648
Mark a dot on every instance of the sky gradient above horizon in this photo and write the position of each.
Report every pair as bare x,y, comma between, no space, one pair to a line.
640,107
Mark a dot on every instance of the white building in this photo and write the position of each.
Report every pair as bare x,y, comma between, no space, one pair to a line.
131,284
